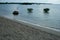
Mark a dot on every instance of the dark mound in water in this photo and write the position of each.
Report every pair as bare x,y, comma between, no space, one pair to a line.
46,10
15,13
30,10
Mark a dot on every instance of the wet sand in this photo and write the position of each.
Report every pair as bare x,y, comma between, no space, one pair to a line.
11,30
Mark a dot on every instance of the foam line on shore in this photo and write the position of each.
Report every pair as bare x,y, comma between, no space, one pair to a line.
47,29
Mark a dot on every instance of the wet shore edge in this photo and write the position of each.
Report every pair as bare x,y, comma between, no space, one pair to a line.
36,26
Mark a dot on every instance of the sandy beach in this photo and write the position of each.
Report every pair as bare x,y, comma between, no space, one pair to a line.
11,30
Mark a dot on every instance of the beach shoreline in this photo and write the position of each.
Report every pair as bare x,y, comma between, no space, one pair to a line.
13,30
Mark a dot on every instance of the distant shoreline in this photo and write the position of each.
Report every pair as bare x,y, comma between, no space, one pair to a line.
24,3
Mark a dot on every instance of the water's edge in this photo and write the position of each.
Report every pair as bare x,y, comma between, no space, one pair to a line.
46,29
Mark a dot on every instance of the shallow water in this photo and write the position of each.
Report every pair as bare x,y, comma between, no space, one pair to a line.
51,19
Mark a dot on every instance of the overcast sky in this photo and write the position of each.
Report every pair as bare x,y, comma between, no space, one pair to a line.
40,1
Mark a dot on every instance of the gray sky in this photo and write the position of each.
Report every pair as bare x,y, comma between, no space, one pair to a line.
40,1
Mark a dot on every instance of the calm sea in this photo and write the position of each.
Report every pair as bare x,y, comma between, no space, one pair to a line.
51,19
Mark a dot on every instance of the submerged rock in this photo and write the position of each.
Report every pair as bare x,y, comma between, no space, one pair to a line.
29,10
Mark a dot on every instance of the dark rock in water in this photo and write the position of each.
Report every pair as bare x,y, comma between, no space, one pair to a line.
15,13
46,10
29,10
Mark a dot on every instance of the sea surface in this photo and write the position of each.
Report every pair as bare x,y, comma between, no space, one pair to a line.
51,19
